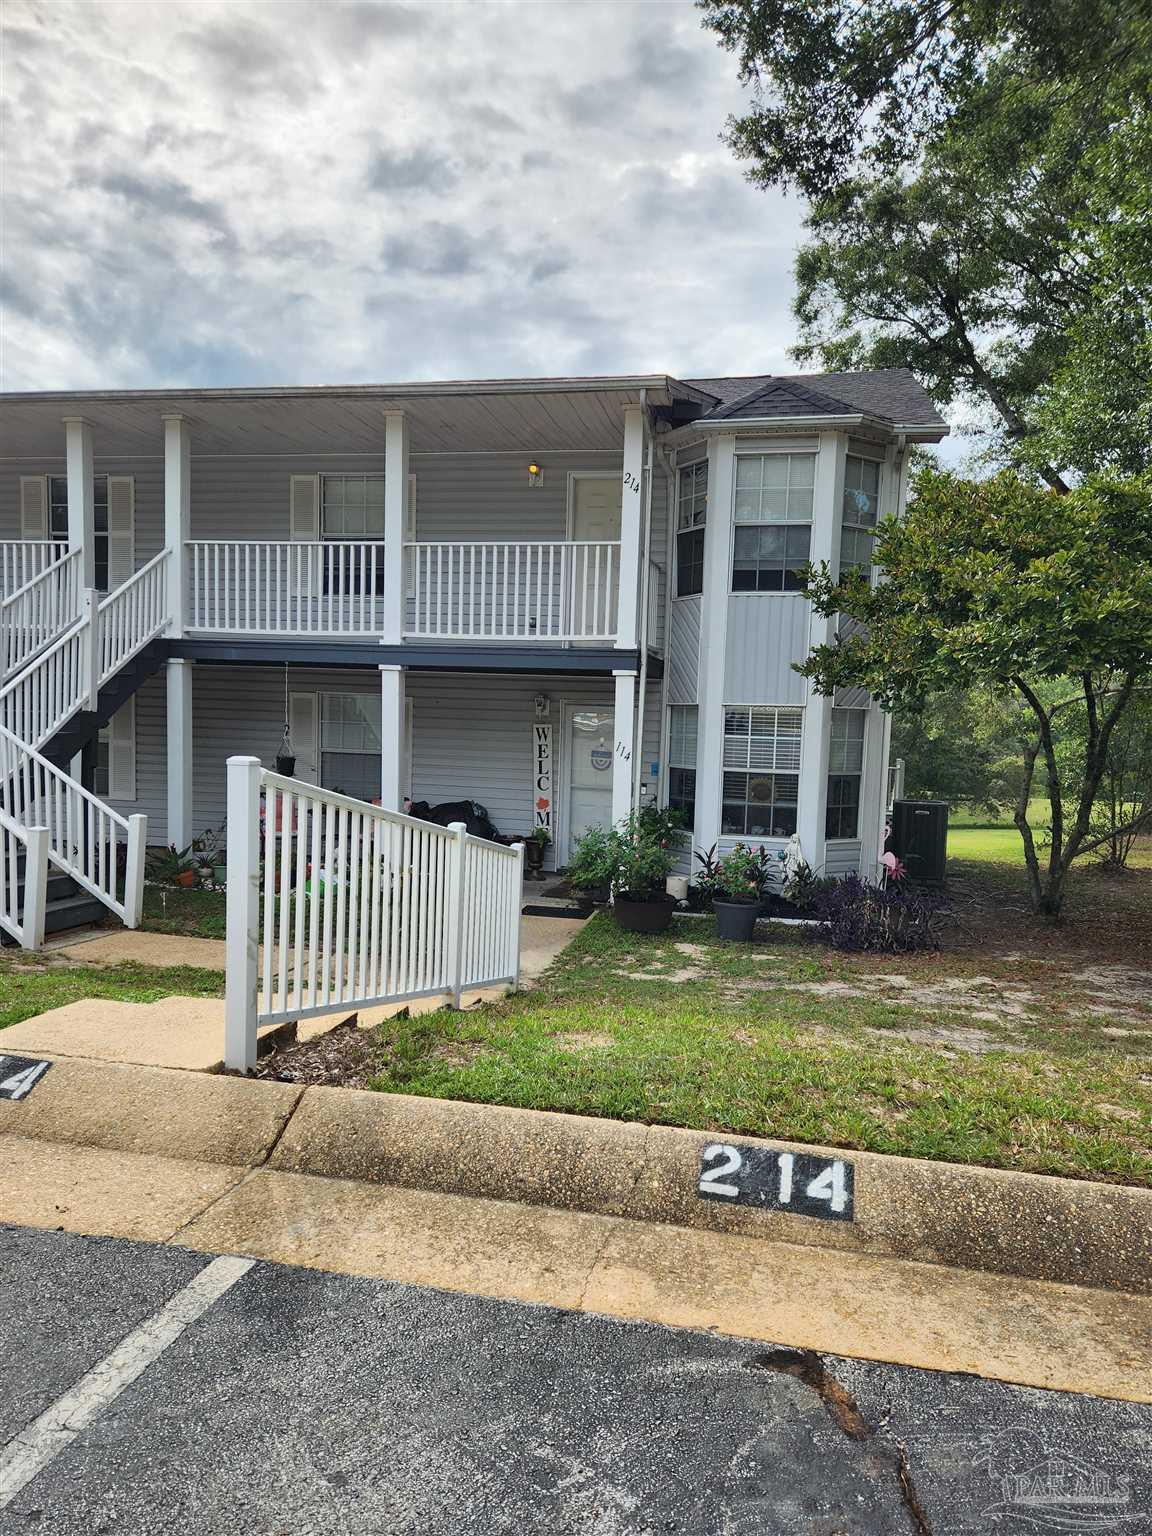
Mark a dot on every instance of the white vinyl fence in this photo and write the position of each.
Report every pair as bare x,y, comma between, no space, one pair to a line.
353,905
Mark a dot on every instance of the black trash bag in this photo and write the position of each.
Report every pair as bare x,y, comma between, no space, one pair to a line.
470,812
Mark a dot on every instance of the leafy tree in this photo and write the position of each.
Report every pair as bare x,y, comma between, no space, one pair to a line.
1005,585
978,172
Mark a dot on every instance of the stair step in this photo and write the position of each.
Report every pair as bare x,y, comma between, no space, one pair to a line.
80,911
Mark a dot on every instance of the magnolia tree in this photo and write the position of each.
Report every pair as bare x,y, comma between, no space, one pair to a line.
1044,596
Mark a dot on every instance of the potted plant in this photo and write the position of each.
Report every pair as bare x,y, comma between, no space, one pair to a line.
737,893
535,845
172,867
642,858
590,867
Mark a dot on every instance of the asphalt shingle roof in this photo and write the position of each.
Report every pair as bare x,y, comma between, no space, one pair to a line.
892,394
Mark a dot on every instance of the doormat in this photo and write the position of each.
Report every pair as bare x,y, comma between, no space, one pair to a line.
531,910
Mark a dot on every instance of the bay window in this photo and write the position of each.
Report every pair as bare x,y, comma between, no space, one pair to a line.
845,767
773,514
859,512
691,515
761,771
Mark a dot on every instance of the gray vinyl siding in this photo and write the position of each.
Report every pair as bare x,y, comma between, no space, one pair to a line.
841,858
684,650
766,634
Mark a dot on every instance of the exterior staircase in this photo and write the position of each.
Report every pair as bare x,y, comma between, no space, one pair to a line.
70,659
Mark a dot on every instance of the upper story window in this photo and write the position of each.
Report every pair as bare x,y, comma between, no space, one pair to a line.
761,771
352,506
859,512
682,726
773,534
58,520
845,767
691,515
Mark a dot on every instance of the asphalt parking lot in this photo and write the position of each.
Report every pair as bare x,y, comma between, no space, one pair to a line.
299,1403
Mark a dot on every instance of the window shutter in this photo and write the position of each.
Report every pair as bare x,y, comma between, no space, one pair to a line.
33,506
302,713
122,751
304,510
121,529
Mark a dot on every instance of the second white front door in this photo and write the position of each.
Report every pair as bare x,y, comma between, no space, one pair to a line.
596,508
591,741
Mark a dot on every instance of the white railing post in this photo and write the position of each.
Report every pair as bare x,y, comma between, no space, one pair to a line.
177,516
35,886
242,913
454,909
134,871
90,658
518,849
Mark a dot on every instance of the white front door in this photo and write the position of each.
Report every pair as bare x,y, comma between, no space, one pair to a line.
596,507
591,741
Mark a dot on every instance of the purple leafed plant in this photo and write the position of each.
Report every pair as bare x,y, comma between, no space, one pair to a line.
854,914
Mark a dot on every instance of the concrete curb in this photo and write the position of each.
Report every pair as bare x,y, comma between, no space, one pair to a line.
1030,1225
1026,1225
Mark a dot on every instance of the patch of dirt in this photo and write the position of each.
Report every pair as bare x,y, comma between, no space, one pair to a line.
346,1056
695,952
688,973
974,1042
583,1040
458,1053
1119,1112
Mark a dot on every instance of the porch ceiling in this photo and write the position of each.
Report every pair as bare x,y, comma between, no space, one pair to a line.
510,415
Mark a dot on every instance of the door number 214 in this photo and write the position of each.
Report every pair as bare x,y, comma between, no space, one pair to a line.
788,1181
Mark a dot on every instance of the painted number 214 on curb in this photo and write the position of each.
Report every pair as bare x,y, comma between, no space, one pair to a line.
783,1181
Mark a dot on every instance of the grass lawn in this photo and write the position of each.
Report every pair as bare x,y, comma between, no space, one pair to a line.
31,984
1029,1050
195,912
973,834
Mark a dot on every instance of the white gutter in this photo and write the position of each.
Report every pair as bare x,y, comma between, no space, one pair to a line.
645,588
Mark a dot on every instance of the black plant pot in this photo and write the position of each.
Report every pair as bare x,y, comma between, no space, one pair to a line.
286,766
533,859
736,919
651,916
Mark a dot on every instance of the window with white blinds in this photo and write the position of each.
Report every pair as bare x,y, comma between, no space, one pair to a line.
761,787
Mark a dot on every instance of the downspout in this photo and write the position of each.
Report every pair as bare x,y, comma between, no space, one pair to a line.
669,575
642,681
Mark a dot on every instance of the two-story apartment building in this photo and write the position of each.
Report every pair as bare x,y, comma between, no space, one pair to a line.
557,597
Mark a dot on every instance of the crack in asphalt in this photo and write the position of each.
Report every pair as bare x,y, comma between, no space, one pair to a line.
807,1366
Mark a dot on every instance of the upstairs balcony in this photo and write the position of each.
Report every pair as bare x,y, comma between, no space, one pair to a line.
547,592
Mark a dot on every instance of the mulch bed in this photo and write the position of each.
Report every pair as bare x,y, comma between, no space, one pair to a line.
345,1057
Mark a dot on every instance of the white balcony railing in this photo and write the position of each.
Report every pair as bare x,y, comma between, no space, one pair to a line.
302,588
546,591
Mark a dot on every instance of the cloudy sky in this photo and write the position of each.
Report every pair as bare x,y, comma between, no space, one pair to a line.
223,192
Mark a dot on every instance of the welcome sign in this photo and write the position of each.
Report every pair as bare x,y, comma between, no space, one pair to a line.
542,776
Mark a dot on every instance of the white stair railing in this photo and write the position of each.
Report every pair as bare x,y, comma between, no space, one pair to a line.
354,906
131,616
23,881
38,612
101,850
84,834
23,559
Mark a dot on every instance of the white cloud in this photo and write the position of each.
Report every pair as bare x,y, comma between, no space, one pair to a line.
222,192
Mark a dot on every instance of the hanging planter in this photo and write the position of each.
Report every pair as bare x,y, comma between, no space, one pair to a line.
286,757
285,764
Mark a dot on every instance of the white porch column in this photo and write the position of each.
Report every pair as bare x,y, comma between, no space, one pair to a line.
395,523
631,520
180,748
826,501
713,639
177,517
81,496
392,745
625,744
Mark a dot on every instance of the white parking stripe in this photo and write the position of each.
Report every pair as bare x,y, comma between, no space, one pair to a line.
40,1442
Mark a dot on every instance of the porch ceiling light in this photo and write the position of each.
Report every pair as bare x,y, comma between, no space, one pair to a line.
535,475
